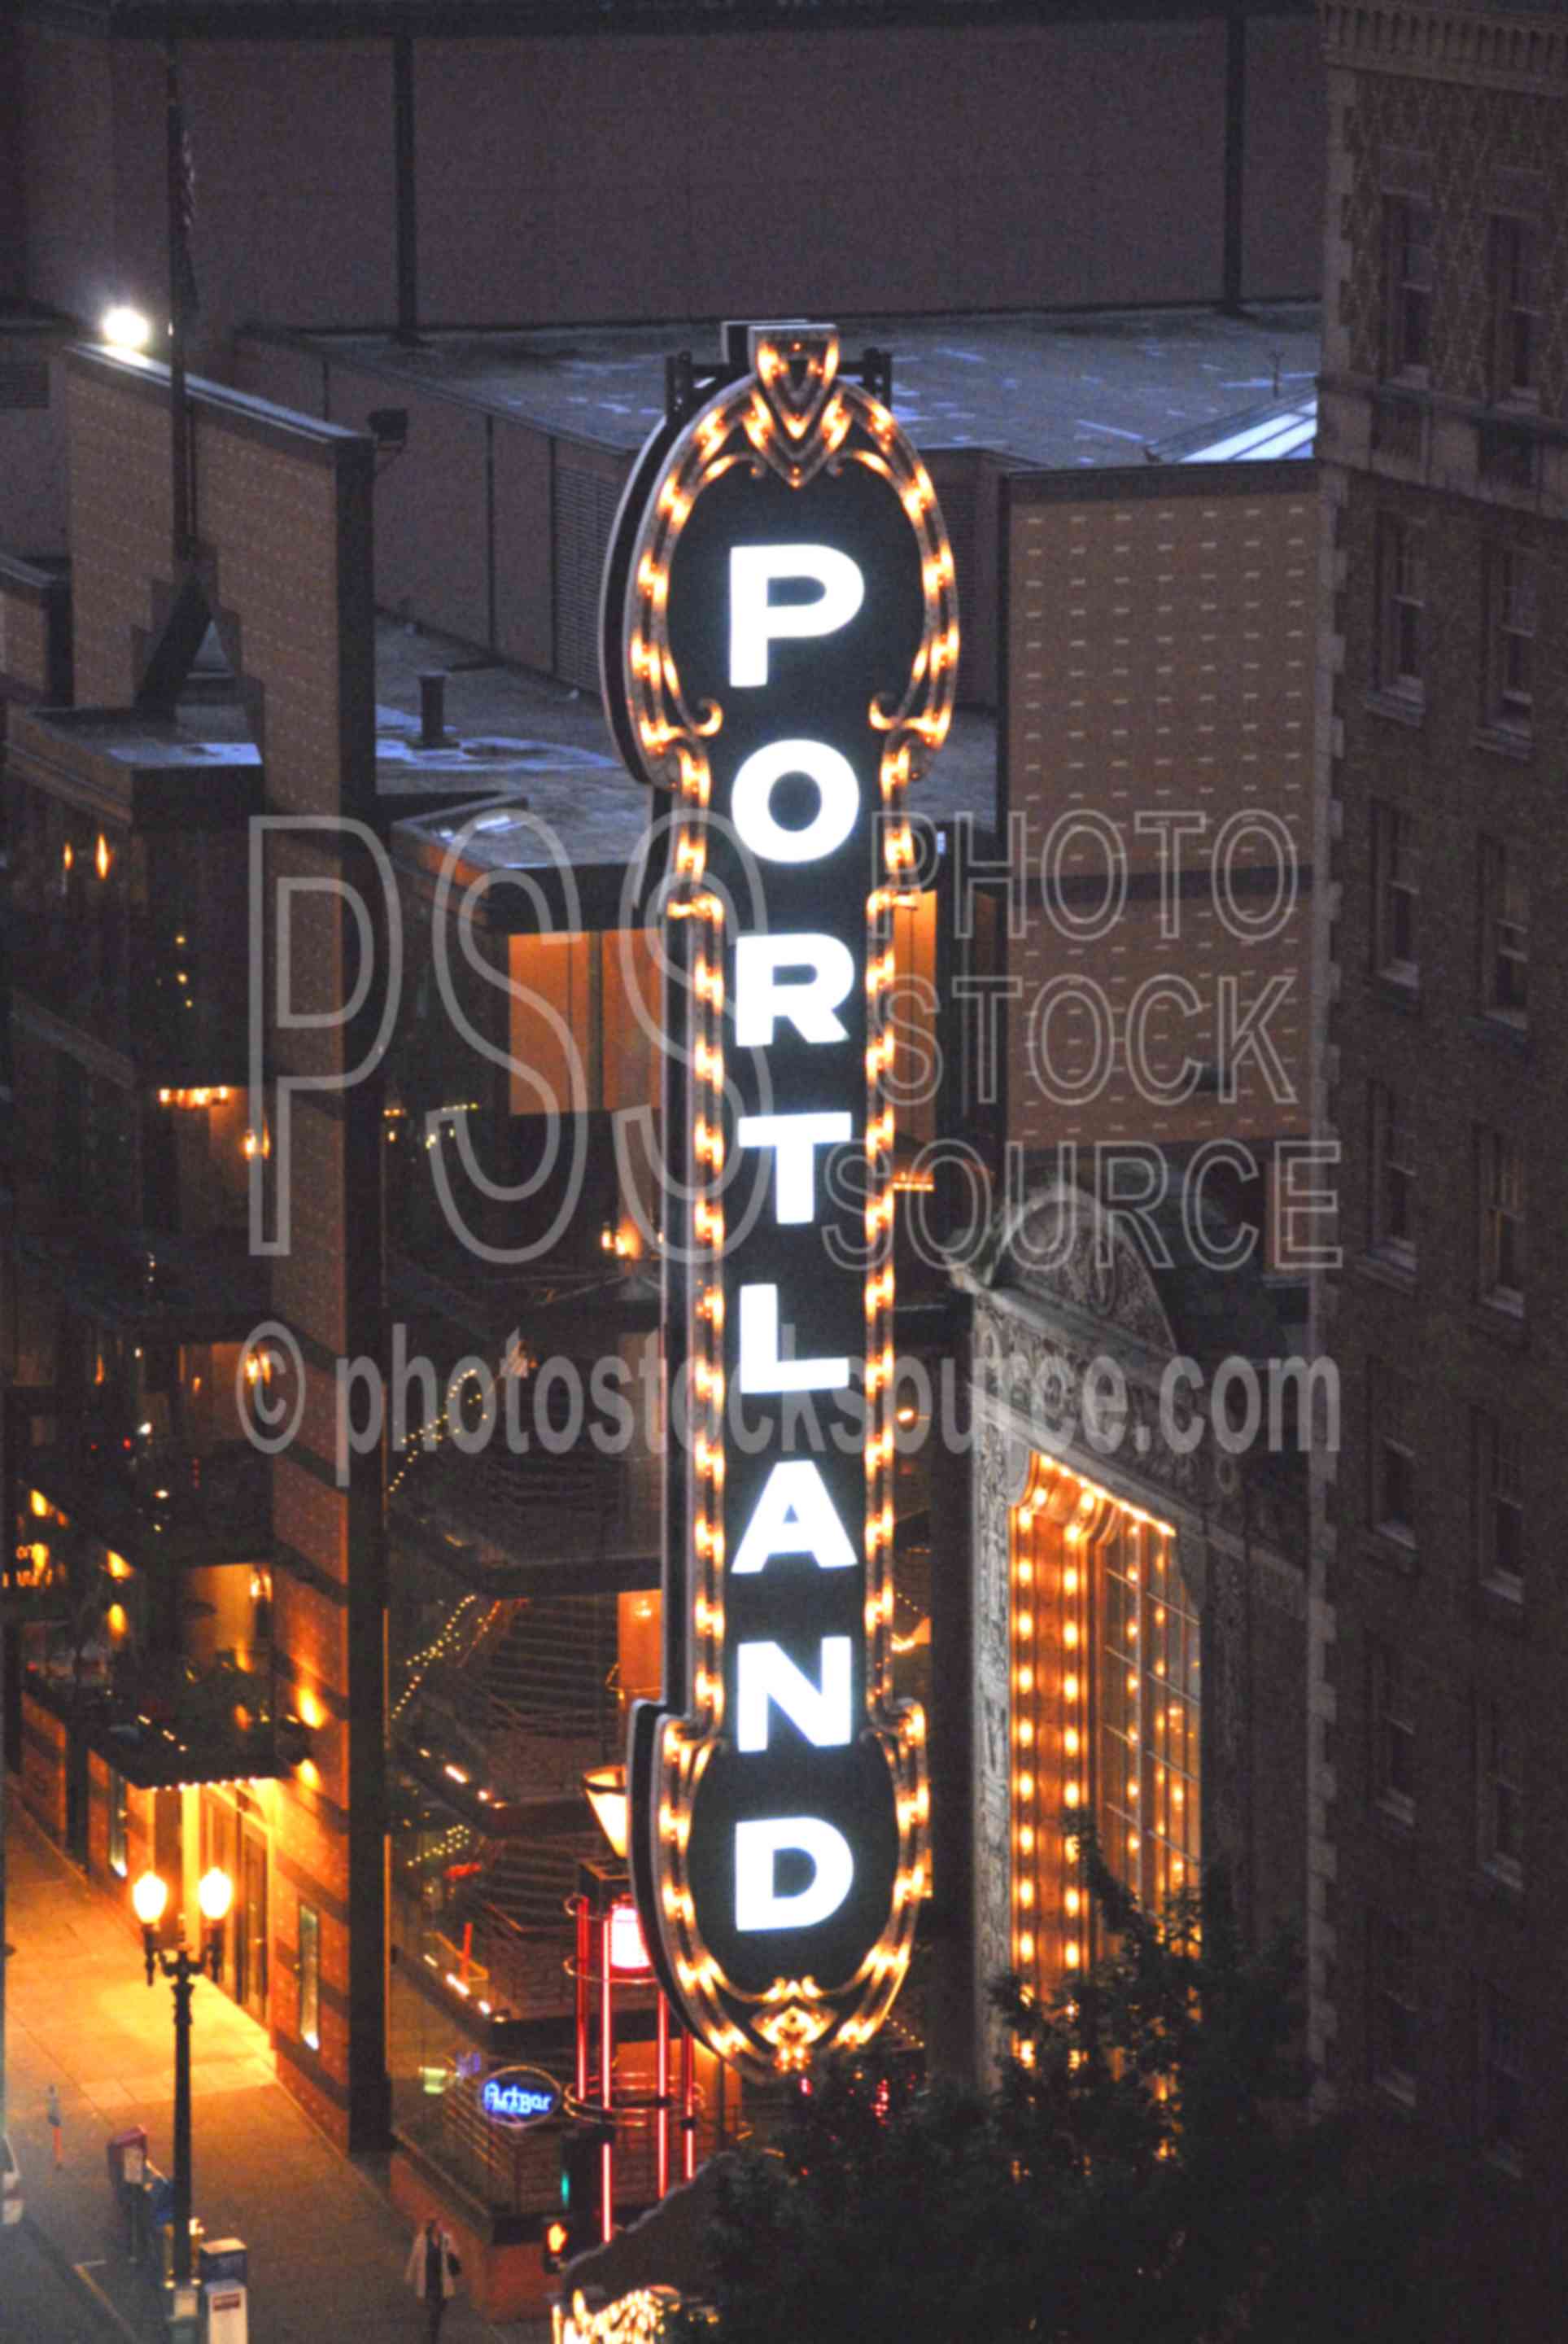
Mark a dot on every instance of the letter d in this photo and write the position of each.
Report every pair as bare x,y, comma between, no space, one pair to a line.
759,1846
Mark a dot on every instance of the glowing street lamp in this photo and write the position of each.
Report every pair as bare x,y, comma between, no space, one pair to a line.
149,1897
606,1788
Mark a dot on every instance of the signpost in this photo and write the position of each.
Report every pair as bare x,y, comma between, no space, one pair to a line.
781,651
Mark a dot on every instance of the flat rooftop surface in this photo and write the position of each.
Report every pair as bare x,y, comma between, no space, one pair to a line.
510,730
1048,388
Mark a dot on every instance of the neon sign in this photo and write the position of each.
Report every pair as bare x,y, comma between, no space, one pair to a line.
781,651
519,2096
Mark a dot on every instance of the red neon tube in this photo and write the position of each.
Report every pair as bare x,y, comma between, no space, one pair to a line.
582,1982
662,2090
688,2106
606,2069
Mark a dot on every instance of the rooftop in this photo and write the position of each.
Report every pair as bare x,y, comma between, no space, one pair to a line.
1047,387
511,731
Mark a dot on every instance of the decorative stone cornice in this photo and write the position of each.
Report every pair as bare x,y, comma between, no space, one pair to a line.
1064,1251
1495,49
1061,1293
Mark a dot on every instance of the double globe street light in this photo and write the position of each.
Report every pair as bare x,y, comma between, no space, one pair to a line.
214,1893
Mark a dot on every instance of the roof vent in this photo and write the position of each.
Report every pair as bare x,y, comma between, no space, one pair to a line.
432,708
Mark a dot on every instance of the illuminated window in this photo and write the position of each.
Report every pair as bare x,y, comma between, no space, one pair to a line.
1106,1714
1408,274
1393,1197
1501,2077
1515,277
1401,605
1146,1788
1396,895
1500,1785
1500,1179
582,1009
1499,1455
1392,2005
1505,932
310,1976
1392,1719
118,1803
1393,1453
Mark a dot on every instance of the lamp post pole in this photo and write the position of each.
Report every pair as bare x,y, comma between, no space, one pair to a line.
184,1974
182,1969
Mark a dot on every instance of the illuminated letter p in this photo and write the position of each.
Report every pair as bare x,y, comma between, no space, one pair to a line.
755,622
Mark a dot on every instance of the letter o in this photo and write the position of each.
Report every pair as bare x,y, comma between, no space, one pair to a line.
838,791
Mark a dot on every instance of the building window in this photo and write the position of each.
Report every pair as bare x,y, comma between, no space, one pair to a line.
1393,1230
1393,1453
1393,1712
1396,895
1147,1787
1500,1785
119,1804
1501,2077
1510,639
1516,308
1402,604
1392,2007
1505,932
1408,278
1106,1716
1501,1181
1499,1503
310,1976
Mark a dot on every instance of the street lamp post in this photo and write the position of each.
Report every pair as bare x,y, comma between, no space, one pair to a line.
182,1969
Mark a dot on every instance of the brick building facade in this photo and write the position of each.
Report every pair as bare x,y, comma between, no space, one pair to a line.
1157,684
1437,1815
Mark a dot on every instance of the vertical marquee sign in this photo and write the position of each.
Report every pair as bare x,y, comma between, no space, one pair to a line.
780,646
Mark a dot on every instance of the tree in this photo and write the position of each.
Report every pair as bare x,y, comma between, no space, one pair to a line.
1145,2172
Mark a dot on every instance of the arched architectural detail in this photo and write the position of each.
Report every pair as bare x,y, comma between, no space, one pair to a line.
1061,1248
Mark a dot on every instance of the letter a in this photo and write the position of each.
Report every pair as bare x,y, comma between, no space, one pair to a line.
795,1516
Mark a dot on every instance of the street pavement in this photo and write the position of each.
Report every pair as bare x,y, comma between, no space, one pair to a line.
41,2299
327,2247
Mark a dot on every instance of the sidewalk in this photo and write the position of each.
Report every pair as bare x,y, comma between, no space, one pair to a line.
327,2246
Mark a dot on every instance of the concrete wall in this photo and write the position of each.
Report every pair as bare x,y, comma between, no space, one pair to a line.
495,530
67,169
13,205
922,169
284,137
487,526
687,176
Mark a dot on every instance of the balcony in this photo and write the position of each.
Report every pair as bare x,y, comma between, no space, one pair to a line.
155,1502
158,1720
149,1282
